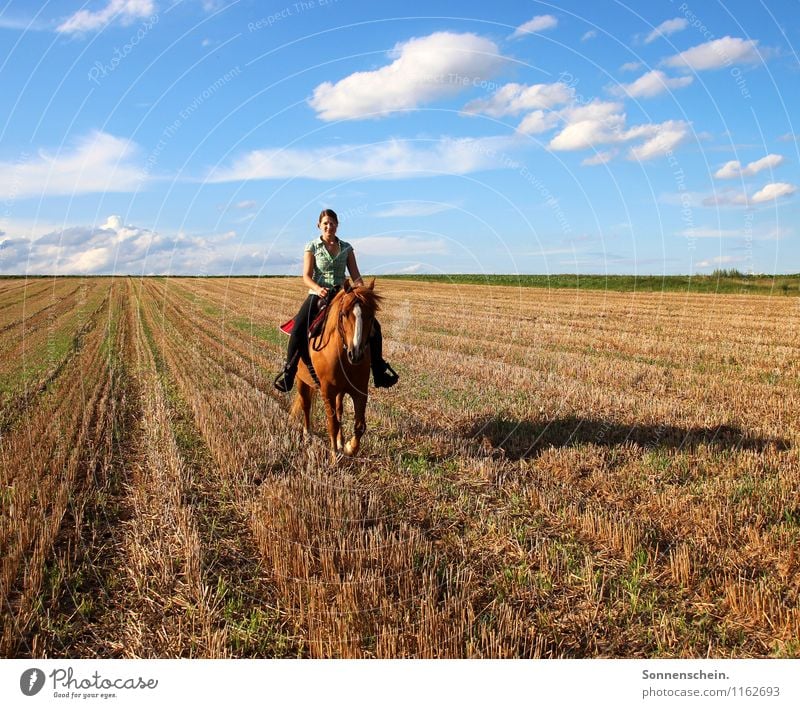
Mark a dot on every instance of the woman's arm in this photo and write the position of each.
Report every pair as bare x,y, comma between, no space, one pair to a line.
353,268
308,274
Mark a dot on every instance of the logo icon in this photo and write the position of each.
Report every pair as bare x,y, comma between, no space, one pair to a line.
31,681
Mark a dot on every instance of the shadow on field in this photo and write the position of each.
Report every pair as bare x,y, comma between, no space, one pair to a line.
520,439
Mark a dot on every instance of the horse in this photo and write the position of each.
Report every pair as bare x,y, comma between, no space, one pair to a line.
340,361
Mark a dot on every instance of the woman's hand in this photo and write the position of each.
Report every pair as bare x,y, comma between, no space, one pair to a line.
322,292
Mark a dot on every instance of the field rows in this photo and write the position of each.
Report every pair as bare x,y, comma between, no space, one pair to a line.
558,473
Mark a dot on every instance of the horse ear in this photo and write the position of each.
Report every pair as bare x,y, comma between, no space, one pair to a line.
346,285
371,285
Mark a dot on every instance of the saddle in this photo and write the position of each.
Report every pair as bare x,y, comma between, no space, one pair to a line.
319,318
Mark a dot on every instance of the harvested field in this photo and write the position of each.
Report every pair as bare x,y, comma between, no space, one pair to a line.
559,473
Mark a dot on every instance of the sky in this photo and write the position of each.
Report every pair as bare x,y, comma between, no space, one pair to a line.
203,137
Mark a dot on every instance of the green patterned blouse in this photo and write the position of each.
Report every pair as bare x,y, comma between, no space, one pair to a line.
328,271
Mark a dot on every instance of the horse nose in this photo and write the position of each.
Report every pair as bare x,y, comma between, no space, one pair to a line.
354,354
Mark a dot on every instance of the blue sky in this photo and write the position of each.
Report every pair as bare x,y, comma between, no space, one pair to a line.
204,136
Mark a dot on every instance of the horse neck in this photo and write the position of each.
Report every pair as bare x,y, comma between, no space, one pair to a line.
332,320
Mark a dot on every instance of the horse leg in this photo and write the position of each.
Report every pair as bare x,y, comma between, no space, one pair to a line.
334,425
360,426
306,394
339,414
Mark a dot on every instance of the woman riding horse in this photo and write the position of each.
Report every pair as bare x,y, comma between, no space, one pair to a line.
324,265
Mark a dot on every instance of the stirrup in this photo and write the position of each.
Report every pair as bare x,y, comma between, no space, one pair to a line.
284,381
386,378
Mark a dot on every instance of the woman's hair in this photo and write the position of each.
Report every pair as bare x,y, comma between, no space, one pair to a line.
330,213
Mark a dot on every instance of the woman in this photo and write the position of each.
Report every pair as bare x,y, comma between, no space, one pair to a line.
324,264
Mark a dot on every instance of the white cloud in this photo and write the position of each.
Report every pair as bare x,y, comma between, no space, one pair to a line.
720,260
411,208
666,28
733,169
651,84
716,54
98,162
600,158
773,191
590,124
393,159
413,268
537,24
126,11
115,248
397,245
603,122
538,122
424,69
667,137
768,193
512,99
710,232
631,66
591,34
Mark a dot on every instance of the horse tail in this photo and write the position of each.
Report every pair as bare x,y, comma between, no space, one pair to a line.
296,409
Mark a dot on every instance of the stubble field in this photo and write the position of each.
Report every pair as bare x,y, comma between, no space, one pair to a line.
558,474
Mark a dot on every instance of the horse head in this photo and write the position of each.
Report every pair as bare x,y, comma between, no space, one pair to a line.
357,308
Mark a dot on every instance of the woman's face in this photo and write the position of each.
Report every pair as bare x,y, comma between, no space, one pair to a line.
328,227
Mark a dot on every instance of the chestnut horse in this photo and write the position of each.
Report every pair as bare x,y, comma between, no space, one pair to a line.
341,361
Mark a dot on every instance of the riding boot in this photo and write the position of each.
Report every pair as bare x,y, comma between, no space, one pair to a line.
285,380
383,375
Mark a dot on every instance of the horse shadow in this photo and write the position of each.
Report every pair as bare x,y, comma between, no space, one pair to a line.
525,439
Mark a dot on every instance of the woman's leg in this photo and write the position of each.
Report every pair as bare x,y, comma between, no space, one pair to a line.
298,344
383,375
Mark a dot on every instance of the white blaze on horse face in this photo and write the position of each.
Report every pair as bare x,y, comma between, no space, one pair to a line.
359,330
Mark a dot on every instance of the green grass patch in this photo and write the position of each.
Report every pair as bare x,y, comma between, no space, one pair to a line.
724,282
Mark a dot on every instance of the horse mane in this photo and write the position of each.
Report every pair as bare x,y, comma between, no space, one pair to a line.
365,294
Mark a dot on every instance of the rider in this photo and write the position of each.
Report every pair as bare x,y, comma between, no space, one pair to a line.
324,264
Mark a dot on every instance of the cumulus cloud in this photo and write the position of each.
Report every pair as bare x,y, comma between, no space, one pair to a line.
768,193
392,159
512,99
603,122
123,11
98,162
773,191
537,24
651,84
666,137
424,69
733,169
666,28
538,122
716,54
116,248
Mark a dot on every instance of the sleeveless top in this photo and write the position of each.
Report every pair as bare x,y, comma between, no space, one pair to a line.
328,271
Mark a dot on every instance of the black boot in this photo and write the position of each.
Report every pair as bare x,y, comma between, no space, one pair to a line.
285,380
383,375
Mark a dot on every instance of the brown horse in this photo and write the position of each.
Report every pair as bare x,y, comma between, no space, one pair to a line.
341,361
